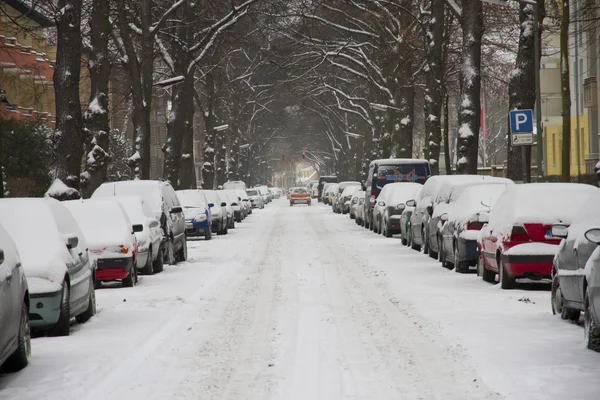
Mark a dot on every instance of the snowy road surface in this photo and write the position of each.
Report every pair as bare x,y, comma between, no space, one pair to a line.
300,303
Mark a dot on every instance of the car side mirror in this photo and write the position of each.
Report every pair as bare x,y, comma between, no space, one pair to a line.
401,206
444,217
176,210
72,241
1,256
560,231
154,224
411,203
593,235
381,204
233,204
211,205
483,217
223,204
138,228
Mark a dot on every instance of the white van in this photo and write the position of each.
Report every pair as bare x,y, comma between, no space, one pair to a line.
161,197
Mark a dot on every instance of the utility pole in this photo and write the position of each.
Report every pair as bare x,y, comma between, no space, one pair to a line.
538,95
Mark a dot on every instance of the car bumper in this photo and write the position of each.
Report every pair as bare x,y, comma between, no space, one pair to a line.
44,309
394,224
300,201
468,250
193,228
528,266
112,269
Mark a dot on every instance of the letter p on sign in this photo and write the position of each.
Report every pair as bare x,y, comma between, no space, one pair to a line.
521,121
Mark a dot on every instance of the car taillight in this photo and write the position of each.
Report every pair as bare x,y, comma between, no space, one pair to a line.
372,193
474,226
124,250
519,234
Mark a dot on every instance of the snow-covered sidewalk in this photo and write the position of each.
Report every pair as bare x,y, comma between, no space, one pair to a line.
301,303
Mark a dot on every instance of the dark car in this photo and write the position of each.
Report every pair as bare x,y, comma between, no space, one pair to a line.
323,180
382,172
15,338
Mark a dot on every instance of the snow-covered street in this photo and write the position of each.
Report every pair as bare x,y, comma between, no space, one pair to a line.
301,303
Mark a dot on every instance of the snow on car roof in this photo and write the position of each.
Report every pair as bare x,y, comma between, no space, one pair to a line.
191,198
588,216
133,206
103,222
32,226
147,189
401,192
545,203
469,203
348,190
398,161
451,188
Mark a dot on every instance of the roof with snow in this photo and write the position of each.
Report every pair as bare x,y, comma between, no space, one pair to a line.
30,12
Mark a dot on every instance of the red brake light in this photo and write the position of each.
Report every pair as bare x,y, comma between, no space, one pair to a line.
474,226
519,234
372,193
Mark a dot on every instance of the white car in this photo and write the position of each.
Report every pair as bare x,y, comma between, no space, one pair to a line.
149,258
345,197
236,204
256,200
245,201
355,203
218,212
110,236
389,206
60,270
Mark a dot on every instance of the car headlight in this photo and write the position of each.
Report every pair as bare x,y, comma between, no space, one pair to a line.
200,218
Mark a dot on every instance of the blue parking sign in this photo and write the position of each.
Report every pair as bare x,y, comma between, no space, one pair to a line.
521,121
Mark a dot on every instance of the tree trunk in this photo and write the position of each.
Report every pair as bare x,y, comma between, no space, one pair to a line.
565,92
96,117
446,137
187,167
470,86
221,156
208,168
67,141
521,87
434,36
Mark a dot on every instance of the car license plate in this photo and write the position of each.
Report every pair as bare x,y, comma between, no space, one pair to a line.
548,232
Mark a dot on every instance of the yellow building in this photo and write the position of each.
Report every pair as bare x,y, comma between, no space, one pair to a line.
554,139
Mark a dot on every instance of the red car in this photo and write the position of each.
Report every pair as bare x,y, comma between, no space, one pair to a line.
517,240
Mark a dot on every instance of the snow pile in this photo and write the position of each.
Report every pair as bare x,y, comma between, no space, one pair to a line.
542,203
58,190
41,245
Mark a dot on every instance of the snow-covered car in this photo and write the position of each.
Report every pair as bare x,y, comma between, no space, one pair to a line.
264,192
330,193
405,231
339,200
325,192
355,203
234,185
229,212
461,225
345,197
591,293
165,206
236,204
314,190
360,213
15,337
246,206
517,242
111,238
149,256
198,216
390,204
449,192
218,210
568,278
300,195
60,270
256,199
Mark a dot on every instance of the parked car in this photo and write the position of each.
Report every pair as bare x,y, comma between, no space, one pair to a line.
15,336
235,202
165,206
198,216
359,213
424,205
234,185
405,231
229,212
390,204
110,237
354,204
517,242
569,281
461,225
382,172
323,180
256,199
332,191
247,207
343,195
218,210
264,192
314,190
300,196
325,192
591,293
449,192
59,269
149,236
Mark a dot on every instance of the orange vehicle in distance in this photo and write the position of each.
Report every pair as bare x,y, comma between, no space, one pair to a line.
299,195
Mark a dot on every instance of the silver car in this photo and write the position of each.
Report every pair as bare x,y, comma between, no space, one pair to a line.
591,293
15,337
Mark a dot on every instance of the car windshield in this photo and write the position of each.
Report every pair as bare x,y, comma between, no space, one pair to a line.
299,191
252,192
400,173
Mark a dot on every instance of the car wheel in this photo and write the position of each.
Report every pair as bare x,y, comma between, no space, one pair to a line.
208,235
413,245
592,330
432,254
441,255
130,280
483,272
158,264
148,270
20,358
388,234
169,253
91,310
506,282
64,319
425,241
557,302
182,254
403,241
461,267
